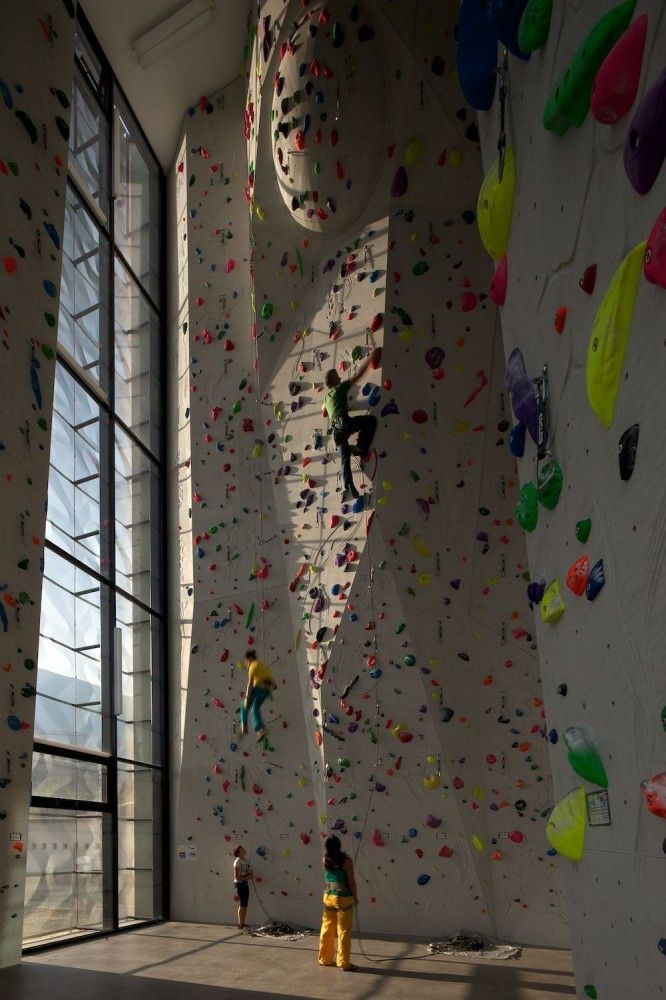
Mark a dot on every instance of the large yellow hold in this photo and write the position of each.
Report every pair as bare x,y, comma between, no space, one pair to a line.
610,335
565,828
494,207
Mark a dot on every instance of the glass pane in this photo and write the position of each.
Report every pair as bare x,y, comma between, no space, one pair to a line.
137,369
83,323
64,778
137,512
69,675
65,876
88,59
139,843
139,722
136,206
77,488
89,144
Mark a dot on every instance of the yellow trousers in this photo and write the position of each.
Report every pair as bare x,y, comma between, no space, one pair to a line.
338,915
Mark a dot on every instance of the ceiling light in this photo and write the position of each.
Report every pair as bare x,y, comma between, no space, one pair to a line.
172,32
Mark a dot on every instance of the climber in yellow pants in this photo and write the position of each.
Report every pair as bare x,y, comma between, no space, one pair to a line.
339,901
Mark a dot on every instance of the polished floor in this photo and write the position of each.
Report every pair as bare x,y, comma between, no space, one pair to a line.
176,961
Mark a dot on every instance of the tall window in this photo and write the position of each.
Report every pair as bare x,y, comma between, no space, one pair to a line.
95,844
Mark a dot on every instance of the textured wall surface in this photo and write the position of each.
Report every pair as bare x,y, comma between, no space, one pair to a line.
434,766
574,207
35,86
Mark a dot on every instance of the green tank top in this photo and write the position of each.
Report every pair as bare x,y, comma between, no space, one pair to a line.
335,882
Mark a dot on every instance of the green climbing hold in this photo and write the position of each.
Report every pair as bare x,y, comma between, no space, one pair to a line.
583,529
549,484
250,616
527,508
565,828
610,335
410,660
663,717
267,310
590,991
584,756
534,25
569,101
357,353
401,628
420,268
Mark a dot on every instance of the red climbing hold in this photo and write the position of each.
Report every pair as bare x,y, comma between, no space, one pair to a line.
334,137
499,283
589,279
577,575
654,262
420,416
560,318
468,301
376,322
299,139
616,83
339,171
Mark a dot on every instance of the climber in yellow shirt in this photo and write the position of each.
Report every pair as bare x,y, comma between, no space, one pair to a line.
260,683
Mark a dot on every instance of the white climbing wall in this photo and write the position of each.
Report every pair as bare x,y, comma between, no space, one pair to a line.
574,207
434,766
35,84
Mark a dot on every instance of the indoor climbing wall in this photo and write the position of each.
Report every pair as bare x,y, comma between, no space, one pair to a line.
409,713
35,84
581,269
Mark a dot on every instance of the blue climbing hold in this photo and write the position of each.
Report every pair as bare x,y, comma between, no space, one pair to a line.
476,54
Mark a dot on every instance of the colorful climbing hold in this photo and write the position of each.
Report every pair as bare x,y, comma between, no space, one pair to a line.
616,83
565,828
610,334
584,756
494,208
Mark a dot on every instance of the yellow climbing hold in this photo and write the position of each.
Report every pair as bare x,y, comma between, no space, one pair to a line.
259,212
256,451
565,828
413,153
406,334
424,579
430,781
386,485
479,792
552,605
431,759
477,843
494,207
455,157
382,501
420,547
401,726
610,334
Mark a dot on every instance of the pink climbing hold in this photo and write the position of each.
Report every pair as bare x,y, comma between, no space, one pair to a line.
616,84
516,837
377,838
231,263
468,301
499,283
654,262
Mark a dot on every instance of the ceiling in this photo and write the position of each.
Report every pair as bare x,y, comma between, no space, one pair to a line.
161,93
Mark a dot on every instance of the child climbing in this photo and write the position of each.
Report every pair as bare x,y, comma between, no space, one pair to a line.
242,874
259,685
339,902
343,426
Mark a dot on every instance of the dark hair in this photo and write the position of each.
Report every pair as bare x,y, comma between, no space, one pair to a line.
332,378
335,856
250,655
237,850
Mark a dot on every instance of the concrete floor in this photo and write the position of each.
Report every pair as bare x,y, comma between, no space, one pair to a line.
174,961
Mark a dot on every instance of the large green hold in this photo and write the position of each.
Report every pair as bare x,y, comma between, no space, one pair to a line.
534,25
527,508
584,756
549,484
569,101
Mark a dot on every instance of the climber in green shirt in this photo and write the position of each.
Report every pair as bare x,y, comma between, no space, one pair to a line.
343,426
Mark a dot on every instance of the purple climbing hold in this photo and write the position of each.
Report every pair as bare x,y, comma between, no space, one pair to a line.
645,144
400,183
523,394
536,589
434,357
391,407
